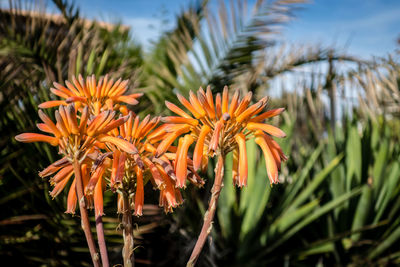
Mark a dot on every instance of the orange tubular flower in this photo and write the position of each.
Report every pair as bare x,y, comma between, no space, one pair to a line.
104,95
220,127
75,140
130,172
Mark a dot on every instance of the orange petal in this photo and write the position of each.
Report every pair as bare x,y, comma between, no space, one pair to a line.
235,166
78,86
60,93
97,107
49,123
82,84
177,110
60,124
72,199
105,86
128,126
150,126
99,87
72,99
136,95
169,196
124,110
139,195
72,89
64,118
243,104
214,142
273,144
108,119
218,105
210,98
272,169
91,85
60,186
164,145
225,100
115,87
248,112
141,126
44,128
204,103
83,120
180,120
114,170
120,89
234,103
274,151
154,172
62,174
272,130
120,204
120,169
263,101
52,103
112,125
181,166
94,179
241,141
189,106
73,123
109,104
135,126
54,167
196,104
268,114
34,137
164,167
127,99
198,150
150,148
85,174
98,198
97,122
178,151
118,142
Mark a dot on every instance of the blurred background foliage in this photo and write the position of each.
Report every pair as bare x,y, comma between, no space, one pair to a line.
338,202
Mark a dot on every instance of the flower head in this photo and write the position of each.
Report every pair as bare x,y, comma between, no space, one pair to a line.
218,127
77,138
98,96
130,172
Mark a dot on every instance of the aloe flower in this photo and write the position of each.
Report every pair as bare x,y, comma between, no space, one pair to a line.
98,96
217,127
77,137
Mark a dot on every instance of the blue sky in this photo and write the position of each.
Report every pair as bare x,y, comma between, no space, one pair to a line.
362,27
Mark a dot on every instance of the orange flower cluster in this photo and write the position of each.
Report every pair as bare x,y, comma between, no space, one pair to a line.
218,127
104,95
75,141
112,152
